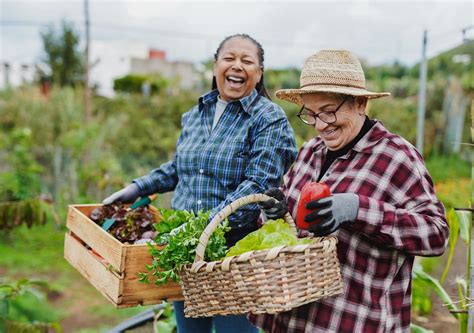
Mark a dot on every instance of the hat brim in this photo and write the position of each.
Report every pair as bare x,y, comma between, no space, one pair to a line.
295,95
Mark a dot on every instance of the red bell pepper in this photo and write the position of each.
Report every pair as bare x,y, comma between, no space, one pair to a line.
311,191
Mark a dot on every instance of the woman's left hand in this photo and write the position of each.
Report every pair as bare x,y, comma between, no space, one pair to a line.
276,207
330,213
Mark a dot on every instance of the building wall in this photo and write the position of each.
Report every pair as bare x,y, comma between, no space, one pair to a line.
184,71
15,74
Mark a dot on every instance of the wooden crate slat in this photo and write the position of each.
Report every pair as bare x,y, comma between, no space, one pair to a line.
140,293
92,269
94,236
137,256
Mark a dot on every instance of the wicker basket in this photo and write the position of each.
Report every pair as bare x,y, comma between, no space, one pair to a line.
264,281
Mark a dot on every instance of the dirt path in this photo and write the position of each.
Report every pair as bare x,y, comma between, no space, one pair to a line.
79,300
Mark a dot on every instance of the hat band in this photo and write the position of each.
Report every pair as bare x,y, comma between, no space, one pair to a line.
331,84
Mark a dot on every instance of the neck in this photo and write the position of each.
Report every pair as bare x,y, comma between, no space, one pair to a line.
360,124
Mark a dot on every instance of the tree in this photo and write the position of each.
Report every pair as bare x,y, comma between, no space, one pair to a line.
62,55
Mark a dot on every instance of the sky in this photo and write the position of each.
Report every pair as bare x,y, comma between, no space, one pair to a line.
289,31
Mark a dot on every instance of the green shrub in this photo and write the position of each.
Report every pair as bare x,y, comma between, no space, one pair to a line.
133,83
24,307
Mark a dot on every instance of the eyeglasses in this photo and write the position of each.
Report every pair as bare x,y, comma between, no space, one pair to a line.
308,117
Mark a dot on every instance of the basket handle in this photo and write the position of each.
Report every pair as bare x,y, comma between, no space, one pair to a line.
225,212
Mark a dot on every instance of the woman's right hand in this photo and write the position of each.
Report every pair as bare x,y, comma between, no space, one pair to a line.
126,195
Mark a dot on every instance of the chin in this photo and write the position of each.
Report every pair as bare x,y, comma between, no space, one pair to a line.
332,146
233,97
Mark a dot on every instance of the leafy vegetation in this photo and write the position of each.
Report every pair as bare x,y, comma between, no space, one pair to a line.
460,224
134,83
30,212
165,321
448,168
181,247
20,177
171,220
272,234
129,226
23,307
68,290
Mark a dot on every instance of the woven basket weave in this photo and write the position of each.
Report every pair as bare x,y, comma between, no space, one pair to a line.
264,281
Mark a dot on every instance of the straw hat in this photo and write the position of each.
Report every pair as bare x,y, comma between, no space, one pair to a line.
333,71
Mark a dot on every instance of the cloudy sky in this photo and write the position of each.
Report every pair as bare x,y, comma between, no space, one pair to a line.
378,31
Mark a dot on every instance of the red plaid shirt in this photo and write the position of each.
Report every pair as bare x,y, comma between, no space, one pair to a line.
399,217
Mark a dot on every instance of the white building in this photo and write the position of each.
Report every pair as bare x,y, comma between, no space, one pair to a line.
156,63
14,74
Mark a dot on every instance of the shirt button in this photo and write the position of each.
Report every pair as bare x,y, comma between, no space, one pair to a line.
201,170
199,202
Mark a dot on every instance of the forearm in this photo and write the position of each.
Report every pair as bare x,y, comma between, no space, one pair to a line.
421,230
160,180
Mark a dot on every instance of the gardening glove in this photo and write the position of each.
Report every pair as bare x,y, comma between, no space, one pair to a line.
126,195
276,207
330,213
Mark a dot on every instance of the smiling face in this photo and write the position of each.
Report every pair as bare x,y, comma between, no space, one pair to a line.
237,69
350,118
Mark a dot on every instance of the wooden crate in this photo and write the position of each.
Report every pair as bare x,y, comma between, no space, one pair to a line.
110,266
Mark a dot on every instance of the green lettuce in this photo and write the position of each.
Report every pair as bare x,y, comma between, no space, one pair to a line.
272,234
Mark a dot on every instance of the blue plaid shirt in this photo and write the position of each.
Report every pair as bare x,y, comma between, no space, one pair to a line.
248,151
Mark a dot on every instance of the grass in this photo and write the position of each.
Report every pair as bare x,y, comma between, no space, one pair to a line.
37,253
27,251
454,193
444,168
452,178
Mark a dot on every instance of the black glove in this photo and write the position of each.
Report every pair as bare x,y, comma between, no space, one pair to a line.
126,195
274,208
330,213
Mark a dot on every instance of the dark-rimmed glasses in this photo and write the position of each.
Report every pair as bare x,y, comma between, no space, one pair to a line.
308,117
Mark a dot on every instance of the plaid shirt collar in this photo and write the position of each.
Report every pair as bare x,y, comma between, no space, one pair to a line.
245,102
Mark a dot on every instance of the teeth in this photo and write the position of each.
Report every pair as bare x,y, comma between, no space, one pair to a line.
235,79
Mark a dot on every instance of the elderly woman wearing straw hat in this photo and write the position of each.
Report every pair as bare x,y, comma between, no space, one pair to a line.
383,208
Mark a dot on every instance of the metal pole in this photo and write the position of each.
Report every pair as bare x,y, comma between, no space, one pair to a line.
6,67
87,95
470,286
470,270
420,124
470,310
